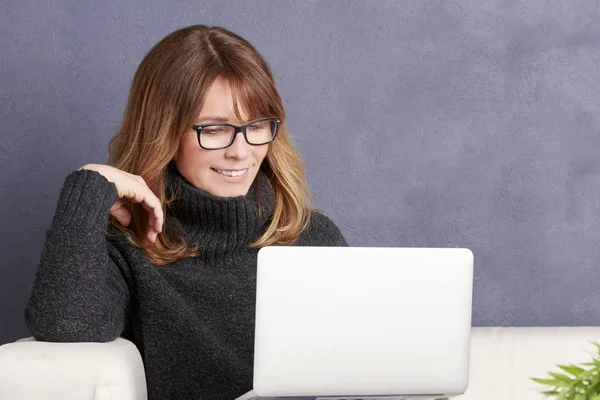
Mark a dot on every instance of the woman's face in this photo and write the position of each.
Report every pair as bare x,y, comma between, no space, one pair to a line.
227,172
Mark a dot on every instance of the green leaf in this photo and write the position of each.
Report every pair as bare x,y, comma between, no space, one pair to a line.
561,377
579,381
563,396
594,387
571,369
549,382
550,393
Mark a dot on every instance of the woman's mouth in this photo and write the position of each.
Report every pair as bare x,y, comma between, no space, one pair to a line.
232,173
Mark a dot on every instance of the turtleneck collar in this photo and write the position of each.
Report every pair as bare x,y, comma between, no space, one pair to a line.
219,225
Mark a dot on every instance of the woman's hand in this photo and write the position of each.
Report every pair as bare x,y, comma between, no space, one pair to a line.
132,188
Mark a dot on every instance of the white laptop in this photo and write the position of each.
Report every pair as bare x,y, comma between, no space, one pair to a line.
356,322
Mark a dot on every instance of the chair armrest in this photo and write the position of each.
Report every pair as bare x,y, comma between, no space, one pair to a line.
34,370
503,359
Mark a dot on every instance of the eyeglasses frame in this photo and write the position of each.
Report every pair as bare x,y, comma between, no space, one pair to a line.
237,129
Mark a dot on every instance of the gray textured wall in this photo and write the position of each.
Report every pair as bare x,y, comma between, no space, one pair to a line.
423,123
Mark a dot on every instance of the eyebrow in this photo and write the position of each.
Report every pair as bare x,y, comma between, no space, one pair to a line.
213,119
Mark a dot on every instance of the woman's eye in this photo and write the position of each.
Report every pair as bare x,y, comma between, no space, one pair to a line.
212,131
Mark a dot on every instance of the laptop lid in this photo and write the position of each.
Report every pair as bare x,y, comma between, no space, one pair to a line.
360,321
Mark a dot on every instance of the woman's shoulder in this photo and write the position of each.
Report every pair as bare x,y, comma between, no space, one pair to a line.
321,231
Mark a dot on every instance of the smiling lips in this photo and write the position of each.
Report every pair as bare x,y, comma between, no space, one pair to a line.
233,173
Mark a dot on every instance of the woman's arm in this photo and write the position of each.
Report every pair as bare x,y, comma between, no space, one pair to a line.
80,293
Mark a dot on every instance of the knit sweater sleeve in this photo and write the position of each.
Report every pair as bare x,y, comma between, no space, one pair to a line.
321,231
80,293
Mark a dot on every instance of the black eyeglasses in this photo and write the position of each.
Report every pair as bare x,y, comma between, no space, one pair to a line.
220,136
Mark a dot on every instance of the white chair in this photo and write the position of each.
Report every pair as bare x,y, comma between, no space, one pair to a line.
71,371
502,362
504,359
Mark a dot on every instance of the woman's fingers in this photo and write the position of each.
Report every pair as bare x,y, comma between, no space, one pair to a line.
152,204
121,213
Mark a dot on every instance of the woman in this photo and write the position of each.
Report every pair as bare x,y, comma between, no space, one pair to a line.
160,245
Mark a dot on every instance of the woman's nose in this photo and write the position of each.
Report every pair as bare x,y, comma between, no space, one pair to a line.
239,148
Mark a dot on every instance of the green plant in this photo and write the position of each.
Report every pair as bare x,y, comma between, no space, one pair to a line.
575,381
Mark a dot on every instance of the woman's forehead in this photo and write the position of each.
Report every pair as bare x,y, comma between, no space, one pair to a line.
227,116
221,105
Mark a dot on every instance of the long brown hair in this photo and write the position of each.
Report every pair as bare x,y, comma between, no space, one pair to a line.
166,96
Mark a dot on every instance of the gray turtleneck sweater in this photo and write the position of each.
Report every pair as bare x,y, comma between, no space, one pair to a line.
192,320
